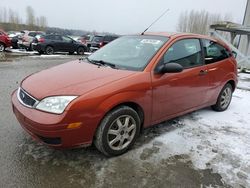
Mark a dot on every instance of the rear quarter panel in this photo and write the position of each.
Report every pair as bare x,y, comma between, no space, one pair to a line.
220,73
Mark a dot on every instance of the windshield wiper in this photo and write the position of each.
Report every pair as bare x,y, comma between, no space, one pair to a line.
101,63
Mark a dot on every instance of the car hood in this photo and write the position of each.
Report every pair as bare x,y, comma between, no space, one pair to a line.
73,78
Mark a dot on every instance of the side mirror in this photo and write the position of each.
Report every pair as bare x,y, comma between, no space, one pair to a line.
234,54
169,68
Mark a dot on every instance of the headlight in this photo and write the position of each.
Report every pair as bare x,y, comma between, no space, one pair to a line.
55,104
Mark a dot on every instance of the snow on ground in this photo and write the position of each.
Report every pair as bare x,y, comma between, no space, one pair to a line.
21,51
244,81
216,140
49,56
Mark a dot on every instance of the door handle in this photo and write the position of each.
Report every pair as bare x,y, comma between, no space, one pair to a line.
203,72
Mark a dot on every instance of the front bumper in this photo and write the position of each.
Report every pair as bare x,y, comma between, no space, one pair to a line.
51,129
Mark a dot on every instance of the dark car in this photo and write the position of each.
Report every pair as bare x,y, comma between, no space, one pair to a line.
4,41
49,44
100,41
131,83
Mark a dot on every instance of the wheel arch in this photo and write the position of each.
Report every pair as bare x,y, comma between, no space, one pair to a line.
135,106
49,45
82,46
232,83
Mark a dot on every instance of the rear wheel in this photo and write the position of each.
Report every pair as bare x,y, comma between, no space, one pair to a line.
118,131
49,50
80,50
224,98
2,47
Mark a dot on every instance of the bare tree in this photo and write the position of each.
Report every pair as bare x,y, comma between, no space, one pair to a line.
43,22
30,16
11,16
199,21
4,15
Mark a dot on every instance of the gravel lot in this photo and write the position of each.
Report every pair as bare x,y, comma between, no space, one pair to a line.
201,149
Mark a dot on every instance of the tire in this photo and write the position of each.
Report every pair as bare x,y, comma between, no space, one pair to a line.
80,50
40,52
2,47
30,47
117,131
71,53
49,50
224,98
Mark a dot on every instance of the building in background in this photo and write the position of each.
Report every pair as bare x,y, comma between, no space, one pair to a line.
244,45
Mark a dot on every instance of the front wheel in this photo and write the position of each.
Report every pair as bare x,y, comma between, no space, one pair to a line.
117,131
80,51
2,47
224,98
49,50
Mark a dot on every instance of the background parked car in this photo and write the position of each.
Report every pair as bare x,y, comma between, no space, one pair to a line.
15,36
86,40
28,38
100,41
4,41
58,43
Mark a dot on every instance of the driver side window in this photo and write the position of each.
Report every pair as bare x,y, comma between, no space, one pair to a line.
66,39
186,52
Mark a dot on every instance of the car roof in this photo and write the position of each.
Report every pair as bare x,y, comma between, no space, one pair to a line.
179,34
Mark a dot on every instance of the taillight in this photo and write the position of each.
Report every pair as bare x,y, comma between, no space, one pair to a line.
101,44
41,40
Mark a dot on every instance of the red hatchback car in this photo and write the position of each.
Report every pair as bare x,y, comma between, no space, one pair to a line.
5,41
131,83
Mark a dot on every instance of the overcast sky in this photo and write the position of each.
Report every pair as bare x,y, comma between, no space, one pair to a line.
121,16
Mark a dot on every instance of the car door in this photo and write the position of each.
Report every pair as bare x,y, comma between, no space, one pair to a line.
175,93
67,44
56,42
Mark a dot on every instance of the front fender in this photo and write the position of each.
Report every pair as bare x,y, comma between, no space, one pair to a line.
142,99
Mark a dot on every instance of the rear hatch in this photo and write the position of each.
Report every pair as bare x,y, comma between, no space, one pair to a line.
96,41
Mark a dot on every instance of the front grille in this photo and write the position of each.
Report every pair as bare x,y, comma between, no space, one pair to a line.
25,98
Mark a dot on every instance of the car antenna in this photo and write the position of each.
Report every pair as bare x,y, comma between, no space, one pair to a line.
155,21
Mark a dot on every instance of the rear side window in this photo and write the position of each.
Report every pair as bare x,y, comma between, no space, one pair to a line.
107,38
32,34
48,37
186,52
98,39
57,37
214,52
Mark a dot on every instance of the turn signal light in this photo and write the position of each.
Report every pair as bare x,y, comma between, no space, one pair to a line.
74,125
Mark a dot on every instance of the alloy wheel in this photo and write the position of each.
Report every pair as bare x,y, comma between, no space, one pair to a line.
121,132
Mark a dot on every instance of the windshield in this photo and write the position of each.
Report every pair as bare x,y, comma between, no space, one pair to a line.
130,52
